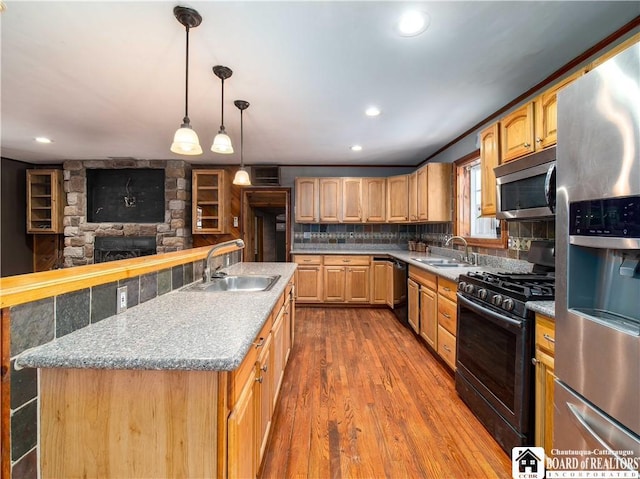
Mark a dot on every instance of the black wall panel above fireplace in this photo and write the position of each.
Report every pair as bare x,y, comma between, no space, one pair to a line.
125,196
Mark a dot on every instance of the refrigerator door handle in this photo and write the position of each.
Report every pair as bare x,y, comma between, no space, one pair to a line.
589,432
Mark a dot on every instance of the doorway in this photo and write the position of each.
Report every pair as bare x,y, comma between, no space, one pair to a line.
266,224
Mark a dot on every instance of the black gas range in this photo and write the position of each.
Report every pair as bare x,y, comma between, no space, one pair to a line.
495,344
507,292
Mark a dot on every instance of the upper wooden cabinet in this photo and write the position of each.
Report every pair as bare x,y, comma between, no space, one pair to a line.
422,193
374,196
209,198
439,191
516,133
45,201
546,114
398,199
489,159
351,200
306,200
330,200
413,196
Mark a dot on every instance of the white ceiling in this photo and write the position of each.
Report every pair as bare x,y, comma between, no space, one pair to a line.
106,79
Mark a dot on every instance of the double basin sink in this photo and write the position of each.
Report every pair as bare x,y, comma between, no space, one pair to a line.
442,262
239,283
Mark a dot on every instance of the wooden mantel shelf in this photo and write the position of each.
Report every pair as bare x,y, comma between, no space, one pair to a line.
26,288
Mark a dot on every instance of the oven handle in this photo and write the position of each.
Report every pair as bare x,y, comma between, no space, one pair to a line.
498,318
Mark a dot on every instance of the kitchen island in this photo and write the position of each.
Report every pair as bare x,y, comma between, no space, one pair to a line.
165,389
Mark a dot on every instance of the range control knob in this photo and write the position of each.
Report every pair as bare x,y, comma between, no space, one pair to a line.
497,300
461,285
508,304
468,289
482,293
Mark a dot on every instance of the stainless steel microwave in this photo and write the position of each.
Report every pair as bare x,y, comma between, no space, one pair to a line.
526,188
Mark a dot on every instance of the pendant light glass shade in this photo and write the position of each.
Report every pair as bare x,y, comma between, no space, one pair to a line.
185,141
242,176
222,142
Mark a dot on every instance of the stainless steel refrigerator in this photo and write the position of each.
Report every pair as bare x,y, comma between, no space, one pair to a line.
597,391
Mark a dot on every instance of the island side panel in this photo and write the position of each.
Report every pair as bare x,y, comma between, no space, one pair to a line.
128,424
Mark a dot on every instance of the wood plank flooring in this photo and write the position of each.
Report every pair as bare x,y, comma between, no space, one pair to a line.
362,398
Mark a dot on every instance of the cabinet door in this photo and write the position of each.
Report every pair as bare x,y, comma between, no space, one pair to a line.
264,383
413,196
546,114
374,194
309,284
398,199
516,133
351,200
279,353
306,200
379,284
334,284
242,451
440,195
545,378
357,284
330,199
447,347
413,292
429,316
423,193
208,201
489,159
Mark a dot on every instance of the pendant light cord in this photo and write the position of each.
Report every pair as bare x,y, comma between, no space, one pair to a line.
241,141
222,107
186,80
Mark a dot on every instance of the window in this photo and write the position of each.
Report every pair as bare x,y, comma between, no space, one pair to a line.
478,230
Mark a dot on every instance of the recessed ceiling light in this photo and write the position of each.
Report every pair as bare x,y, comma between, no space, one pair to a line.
43,139
413,23
356,148
372,111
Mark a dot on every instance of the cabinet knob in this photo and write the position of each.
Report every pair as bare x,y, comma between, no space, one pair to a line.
260,343
446,348
264,368
534,361
527,145
446,315
538,140
259,380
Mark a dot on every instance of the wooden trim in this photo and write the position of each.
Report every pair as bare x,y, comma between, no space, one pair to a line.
5,395
32,287
551,78
497,243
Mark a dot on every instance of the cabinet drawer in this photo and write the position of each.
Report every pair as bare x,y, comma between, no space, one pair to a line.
447,288
447,314
447,347
545,334
423,277
343,260
314,259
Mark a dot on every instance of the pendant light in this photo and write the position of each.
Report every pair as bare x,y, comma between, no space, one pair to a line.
185,141
242,176
222,142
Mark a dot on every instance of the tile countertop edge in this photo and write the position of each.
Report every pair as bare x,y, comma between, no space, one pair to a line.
176,331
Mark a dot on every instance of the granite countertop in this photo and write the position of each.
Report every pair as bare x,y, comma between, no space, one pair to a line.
180,330
548,308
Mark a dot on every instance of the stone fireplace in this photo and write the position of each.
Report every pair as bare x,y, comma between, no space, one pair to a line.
172,234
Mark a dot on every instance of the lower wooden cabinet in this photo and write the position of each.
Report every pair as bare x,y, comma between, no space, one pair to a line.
413,298
429,316
380,273
545,377
309,278
333,278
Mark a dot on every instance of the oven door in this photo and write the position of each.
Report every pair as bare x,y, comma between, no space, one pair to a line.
494,357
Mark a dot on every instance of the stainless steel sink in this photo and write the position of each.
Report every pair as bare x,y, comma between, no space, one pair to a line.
441,262
244,283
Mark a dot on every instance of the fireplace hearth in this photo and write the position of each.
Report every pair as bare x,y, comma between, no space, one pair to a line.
112,248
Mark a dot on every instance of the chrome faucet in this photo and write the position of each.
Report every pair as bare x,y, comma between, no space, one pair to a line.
206,274
466,246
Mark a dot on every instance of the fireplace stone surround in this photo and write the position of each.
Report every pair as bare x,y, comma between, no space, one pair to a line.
171,235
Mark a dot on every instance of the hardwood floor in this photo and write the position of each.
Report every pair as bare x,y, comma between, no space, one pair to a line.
363,398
